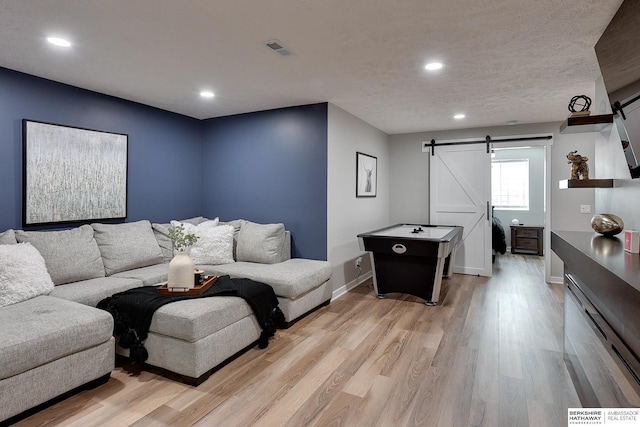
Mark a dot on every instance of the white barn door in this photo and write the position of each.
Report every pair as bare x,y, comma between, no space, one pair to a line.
460,194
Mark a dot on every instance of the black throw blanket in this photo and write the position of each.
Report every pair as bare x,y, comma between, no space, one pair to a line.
133,309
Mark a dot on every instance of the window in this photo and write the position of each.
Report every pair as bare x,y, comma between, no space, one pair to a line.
510,184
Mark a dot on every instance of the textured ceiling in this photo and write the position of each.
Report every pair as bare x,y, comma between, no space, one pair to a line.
505,59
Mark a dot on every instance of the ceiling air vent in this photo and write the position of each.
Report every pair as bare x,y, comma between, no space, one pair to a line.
277,46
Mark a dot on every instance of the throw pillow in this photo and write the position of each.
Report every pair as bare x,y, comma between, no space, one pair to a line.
127,246
7,237
70,255
161,231
236,224
214,245
198,220
261,243
23,274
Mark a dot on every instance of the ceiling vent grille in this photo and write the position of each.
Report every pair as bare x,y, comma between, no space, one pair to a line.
277,46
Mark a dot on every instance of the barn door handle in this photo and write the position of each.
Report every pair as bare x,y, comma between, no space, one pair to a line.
487,210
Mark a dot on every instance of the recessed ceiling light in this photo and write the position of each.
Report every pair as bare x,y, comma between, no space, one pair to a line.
459,116
207,94
432,66
58,41
512,122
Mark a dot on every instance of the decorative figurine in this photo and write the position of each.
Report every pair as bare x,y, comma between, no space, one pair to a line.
607,224
579,166
583,102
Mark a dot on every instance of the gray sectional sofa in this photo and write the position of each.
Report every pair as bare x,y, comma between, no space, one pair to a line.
54,340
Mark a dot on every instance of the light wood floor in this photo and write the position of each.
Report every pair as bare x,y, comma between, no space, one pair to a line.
489,355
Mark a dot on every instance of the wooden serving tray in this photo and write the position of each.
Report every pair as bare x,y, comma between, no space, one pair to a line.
196,290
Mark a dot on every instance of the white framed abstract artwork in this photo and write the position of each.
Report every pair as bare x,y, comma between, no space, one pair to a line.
72,174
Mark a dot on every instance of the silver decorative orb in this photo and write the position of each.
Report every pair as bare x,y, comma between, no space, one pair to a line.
607,224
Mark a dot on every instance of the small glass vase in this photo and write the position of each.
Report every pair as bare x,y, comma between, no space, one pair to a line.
181,270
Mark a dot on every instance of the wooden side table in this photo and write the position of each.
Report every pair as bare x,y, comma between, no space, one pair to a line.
527,240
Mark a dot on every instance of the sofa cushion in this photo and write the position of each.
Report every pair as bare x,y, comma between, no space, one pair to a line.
161,231
214,245
44,329
70,255
8,237
23,274
92,291
127,246
150,275
290,279
262,243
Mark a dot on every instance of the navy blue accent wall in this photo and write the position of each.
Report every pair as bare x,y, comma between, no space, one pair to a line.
271,166
266,167
165,149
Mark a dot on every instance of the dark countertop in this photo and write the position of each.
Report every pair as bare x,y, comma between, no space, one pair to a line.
609,276
607,252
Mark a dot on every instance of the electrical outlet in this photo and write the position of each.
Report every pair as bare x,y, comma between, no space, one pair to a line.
359,262
585,209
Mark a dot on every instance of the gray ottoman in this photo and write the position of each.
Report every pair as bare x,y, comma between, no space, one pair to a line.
192,337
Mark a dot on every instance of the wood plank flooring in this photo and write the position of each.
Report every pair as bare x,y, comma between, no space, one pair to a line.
490,354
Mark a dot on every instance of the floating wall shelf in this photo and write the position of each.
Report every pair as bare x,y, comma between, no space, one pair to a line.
582,124
585,183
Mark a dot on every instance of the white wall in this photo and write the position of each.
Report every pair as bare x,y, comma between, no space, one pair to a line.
565,204
624,199
347,216
408,180
409,176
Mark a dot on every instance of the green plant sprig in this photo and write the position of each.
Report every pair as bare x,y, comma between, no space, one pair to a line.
182,240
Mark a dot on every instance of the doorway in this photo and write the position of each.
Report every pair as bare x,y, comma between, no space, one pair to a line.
518,187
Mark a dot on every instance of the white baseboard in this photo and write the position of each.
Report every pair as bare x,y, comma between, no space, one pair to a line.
366,276
556,280
348,286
